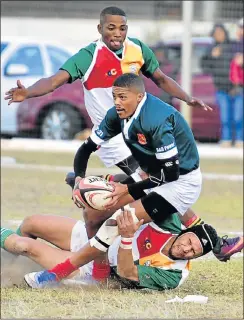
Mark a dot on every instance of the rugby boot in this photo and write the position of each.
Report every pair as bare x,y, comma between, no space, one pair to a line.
41,279
226,247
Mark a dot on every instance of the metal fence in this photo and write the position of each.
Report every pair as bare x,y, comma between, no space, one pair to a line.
203,10
204,66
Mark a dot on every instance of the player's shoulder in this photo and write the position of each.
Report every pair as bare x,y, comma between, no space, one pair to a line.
172,225
156,106
156,113
89,49
136,41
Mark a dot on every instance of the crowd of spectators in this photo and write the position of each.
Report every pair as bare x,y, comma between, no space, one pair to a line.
224,61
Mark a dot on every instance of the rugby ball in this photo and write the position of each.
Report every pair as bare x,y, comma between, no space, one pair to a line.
91,192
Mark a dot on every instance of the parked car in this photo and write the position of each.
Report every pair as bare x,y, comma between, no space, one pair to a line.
61,114
57,115
28,61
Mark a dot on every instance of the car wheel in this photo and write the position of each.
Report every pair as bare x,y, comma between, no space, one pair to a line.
61,122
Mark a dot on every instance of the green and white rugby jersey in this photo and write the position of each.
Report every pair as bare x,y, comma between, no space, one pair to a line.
155,132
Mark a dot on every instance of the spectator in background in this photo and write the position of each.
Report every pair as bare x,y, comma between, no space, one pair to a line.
238,44
237,79
217,63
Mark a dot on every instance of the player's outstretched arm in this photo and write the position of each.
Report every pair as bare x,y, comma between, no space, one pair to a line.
174,89
39,88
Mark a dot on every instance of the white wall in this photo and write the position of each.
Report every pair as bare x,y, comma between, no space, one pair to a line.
75,33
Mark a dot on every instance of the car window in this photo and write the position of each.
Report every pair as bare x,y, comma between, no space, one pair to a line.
57,57
3,46
30,56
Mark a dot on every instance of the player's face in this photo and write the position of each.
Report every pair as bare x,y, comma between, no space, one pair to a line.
113,31
126,101
186,246
219,34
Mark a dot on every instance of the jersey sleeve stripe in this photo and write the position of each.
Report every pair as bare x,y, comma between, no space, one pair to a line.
168,154
96,139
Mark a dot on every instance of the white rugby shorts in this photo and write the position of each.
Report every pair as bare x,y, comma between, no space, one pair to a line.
182,193
79,239
113,151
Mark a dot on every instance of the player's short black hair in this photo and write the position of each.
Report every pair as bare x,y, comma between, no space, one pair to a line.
113,11
128,80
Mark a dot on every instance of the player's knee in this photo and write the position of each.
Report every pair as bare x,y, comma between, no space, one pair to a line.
28,225
93,220
92,226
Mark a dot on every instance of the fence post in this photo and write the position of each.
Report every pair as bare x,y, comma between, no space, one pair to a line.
186,57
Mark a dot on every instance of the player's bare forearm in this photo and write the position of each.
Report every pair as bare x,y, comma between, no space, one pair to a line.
170,86
174,89
47,85
126,267
40,88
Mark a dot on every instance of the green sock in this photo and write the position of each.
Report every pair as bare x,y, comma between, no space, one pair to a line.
5,233
18,231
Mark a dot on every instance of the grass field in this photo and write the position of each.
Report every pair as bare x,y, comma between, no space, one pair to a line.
25,192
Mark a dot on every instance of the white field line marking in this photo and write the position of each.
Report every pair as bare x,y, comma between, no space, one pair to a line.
23,166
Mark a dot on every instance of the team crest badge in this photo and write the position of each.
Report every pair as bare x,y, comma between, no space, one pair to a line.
141,138
148,244
133,68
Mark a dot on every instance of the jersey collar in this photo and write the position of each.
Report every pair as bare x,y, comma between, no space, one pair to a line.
120,51
135,115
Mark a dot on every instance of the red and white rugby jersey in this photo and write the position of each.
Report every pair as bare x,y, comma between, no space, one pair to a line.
98,67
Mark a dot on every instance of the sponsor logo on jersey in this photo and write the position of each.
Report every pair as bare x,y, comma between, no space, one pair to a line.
141,138
166,148
111,72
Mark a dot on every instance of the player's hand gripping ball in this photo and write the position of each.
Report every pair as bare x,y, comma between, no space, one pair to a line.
91,192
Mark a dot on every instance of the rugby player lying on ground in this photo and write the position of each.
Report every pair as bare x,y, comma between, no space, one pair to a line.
148,256
163,145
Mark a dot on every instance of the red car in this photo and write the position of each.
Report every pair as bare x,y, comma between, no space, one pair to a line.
57,115
61,114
